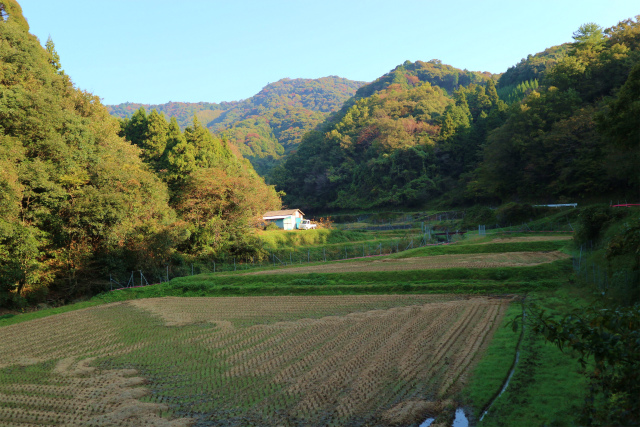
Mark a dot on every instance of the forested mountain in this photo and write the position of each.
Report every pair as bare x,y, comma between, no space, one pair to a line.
384,145
268,125
182,111
79,202
434,72
564,130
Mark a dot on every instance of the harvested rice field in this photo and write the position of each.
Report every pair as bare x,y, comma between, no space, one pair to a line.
491,260
267,361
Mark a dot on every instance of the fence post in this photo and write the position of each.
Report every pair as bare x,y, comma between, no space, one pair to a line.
214,266
580,260
308,255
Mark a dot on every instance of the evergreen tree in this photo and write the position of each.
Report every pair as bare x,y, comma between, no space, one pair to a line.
135,128
156,136
491,92
209,151
55,58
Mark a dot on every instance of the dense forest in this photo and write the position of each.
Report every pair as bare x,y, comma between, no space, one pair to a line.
267,126
561,125
79,201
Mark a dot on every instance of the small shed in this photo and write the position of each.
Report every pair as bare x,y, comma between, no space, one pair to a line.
287,219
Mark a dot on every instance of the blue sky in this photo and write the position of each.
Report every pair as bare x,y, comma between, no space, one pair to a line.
197,50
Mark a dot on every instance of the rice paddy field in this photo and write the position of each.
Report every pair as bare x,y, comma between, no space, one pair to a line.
512,259
269,360
321,360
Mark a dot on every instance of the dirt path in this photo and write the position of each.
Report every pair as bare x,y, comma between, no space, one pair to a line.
510,259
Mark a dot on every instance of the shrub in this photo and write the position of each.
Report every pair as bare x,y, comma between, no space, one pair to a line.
517,213
593,220
478,215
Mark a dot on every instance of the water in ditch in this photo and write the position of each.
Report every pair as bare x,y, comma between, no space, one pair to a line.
459,421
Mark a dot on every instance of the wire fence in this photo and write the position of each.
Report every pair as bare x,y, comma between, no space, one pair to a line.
425,234
285,257
619,283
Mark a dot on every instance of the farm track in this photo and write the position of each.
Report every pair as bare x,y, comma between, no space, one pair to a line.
268,360
492,260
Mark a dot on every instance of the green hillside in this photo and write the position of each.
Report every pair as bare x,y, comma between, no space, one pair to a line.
558,126
266,126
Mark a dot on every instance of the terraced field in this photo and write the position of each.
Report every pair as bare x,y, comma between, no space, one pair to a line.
510,259
321,360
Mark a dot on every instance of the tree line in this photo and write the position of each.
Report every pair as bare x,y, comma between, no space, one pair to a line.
83,195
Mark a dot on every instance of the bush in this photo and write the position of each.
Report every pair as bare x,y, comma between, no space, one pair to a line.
593,220
517,213
271,226
608,342
478,215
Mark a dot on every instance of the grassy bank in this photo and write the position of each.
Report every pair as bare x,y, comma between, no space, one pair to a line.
546,388
279,239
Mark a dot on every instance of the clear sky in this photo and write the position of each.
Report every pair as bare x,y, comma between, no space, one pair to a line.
155,51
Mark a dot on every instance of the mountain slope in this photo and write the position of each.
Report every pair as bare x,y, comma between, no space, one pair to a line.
428,131
390,143
268,125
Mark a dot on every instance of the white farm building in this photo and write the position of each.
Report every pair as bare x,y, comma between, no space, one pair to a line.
288,219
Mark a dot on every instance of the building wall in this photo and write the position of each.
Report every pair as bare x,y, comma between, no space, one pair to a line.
291,222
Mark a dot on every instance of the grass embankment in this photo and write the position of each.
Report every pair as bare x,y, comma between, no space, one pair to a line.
546,388
279,239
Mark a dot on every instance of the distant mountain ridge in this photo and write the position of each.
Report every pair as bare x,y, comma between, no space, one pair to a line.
267,125
182,111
